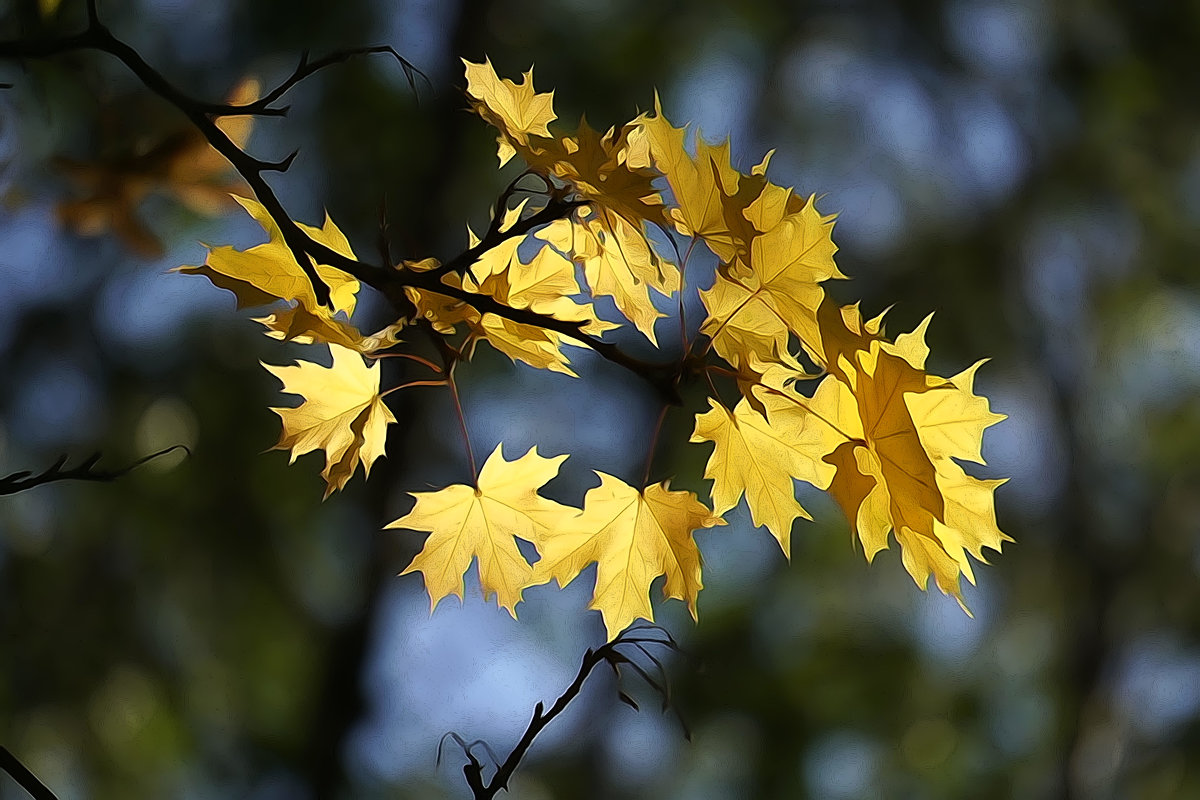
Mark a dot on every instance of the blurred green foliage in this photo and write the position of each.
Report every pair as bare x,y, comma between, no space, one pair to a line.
207,628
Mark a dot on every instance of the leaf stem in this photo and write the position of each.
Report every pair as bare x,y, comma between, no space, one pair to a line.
410,385
683,339
711,384
462,423
662,415
411,357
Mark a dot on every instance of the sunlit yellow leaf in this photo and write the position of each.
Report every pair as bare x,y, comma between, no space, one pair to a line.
268,272
298,324
596,167
896,473
516,110
760,456
545,283
342,414
634,537
483,522
755,307
699,184
952,418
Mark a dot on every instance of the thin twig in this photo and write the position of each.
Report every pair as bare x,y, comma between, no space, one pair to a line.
305,250
306,68
86,471
24,778
554,210
606,654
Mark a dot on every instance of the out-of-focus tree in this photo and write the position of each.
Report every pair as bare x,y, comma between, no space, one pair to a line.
211,629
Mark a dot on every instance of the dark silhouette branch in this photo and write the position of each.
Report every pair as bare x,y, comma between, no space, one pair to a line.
554,210
608,653
24,778
263,105
85,471
307,252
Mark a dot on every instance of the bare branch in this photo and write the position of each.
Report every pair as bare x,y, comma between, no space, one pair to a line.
24,778
307,252
606,654
264,106
556,209
86,471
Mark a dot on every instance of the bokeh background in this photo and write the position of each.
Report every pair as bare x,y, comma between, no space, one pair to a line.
206,627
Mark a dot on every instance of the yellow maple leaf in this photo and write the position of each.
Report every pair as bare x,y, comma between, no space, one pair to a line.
592,163
596,167
634,537
843,334
608,237
543,284
516,110
770,205
342,414
535,346
298,324
953,418
712,200
760,456
742,327
618,262
700,185
894,432
483,522
268,272
754,306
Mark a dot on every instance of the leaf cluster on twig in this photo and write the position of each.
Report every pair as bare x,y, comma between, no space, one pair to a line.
307,252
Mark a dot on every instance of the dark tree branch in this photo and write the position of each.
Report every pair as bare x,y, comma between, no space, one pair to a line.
494,237
24,778
664,377
86,471
556,209
263,106
606,654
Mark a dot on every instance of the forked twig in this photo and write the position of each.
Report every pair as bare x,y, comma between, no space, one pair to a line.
608,653
306,251
85,471
263,106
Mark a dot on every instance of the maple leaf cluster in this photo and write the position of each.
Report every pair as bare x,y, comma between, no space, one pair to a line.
825,397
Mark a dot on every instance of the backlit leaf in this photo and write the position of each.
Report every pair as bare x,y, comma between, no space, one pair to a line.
482,523
342,414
